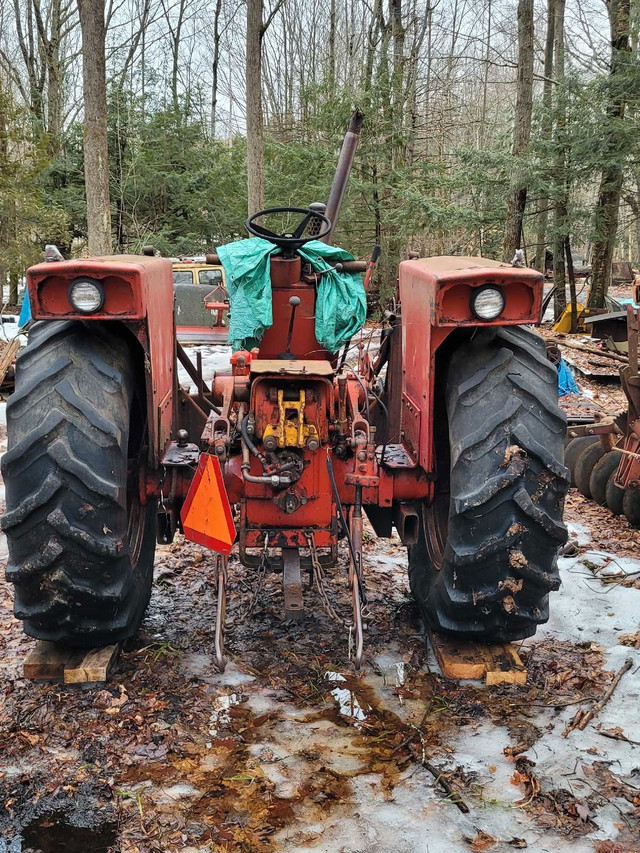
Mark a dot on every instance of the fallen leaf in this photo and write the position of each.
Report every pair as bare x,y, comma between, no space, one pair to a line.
584,812
481,841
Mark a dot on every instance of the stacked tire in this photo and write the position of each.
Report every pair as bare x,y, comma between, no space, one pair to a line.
593,471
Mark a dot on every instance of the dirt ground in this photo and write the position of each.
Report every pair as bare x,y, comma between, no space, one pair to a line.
290,750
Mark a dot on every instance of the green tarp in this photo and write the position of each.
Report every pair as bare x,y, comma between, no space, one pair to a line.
341,304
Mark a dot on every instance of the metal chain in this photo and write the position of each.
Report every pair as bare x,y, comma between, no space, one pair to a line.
318,576
260,577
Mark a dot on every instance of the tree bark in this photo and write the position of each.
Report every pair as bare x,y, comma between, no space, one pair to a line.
255,131
560,167
615,156
332,45
397,85
546,131
214,66
521,130
96,152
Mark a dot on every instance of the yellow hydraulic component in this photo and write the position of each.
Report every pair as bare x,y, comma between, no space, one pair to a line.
291,429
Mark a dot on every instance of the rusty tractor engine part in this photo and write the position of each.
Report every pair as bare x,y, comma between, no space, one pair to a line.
450,432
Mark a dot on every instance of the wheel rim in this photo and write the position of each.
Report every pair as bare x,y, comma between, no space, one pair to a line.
436,525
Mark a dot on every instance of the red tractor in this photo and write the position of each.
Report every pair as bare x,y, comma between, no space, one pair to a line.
451,433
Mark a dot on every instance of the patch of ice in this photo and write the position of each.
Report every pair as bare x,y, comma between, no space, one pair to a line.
586,609
180,791
347,701
579,532
220,716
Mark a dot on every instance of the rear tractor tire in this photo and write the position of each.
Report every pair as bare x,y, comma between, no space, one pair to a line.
486,558
81,542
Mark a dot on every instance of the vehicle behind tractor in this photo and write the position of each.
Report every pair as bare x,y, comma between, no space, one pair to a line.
449,432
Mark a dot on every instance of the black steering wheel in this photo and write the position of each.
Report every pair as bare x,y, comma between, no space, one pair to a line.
291,241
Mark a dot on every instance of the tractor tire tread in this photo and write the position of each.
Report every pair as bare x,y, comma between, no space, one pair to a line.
507,487
65,473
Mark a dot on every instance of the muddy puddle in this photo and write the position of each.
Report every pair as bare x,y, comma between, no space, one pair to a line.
51,833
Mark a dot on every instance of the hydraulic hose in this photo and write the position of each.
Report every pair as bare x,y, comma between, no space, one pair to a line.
273,480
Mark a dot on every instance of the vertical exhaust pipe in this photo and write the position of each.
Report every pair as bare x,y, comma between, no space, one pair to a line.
343,170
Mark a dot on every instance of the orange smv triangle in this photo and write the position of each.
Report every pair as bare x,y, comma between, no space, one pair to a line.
206,513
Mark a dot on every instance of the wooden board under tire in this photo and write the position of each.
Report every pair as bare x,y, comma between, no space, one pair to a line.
50,662
459,659
7,355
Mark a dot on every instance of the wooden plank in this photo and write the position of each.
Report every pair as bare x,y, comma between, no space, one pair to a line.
465,659
458,658
505,667
47,662
7,356
94,666
51,662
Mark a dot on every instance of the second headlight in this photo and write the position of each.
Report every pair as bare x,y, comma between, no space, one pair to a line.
487,302
86,295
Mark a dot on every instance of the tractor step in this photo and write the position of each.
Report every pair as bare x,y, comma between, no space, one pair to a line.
460,659
51,662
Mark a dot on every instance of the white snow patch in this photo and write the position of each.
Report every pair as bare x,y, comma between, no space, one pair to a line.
220,715
579,532
215,359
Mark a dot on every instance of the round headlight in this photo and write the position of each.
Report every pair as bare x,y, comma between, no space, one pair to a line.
86,295
487,303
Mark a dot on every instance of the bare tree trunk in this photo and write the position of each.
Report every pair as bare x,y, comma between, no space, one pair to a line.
332,45
255,130
96,152
397,86
546,131
485,80
560,168
606,214
521,130
214,67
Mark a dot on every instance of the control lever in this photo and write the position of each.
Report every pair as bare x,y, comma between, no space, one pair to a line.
294,301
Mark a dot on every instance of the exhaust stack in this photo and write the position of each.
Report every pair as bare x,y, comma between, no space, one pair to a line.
343,170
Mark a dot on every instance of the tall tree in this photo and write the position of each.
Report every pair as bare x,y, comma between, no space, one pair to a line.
255,122
560,202
256,28
96,150
215,65
521,130
615,154
546,130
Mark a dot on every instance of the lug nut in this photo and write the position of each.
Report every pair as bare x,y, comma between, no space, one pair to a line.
312,443
362,455
270,442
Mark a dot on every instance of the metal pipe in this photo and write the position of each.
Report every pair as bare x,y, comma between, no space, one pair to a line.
343,170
